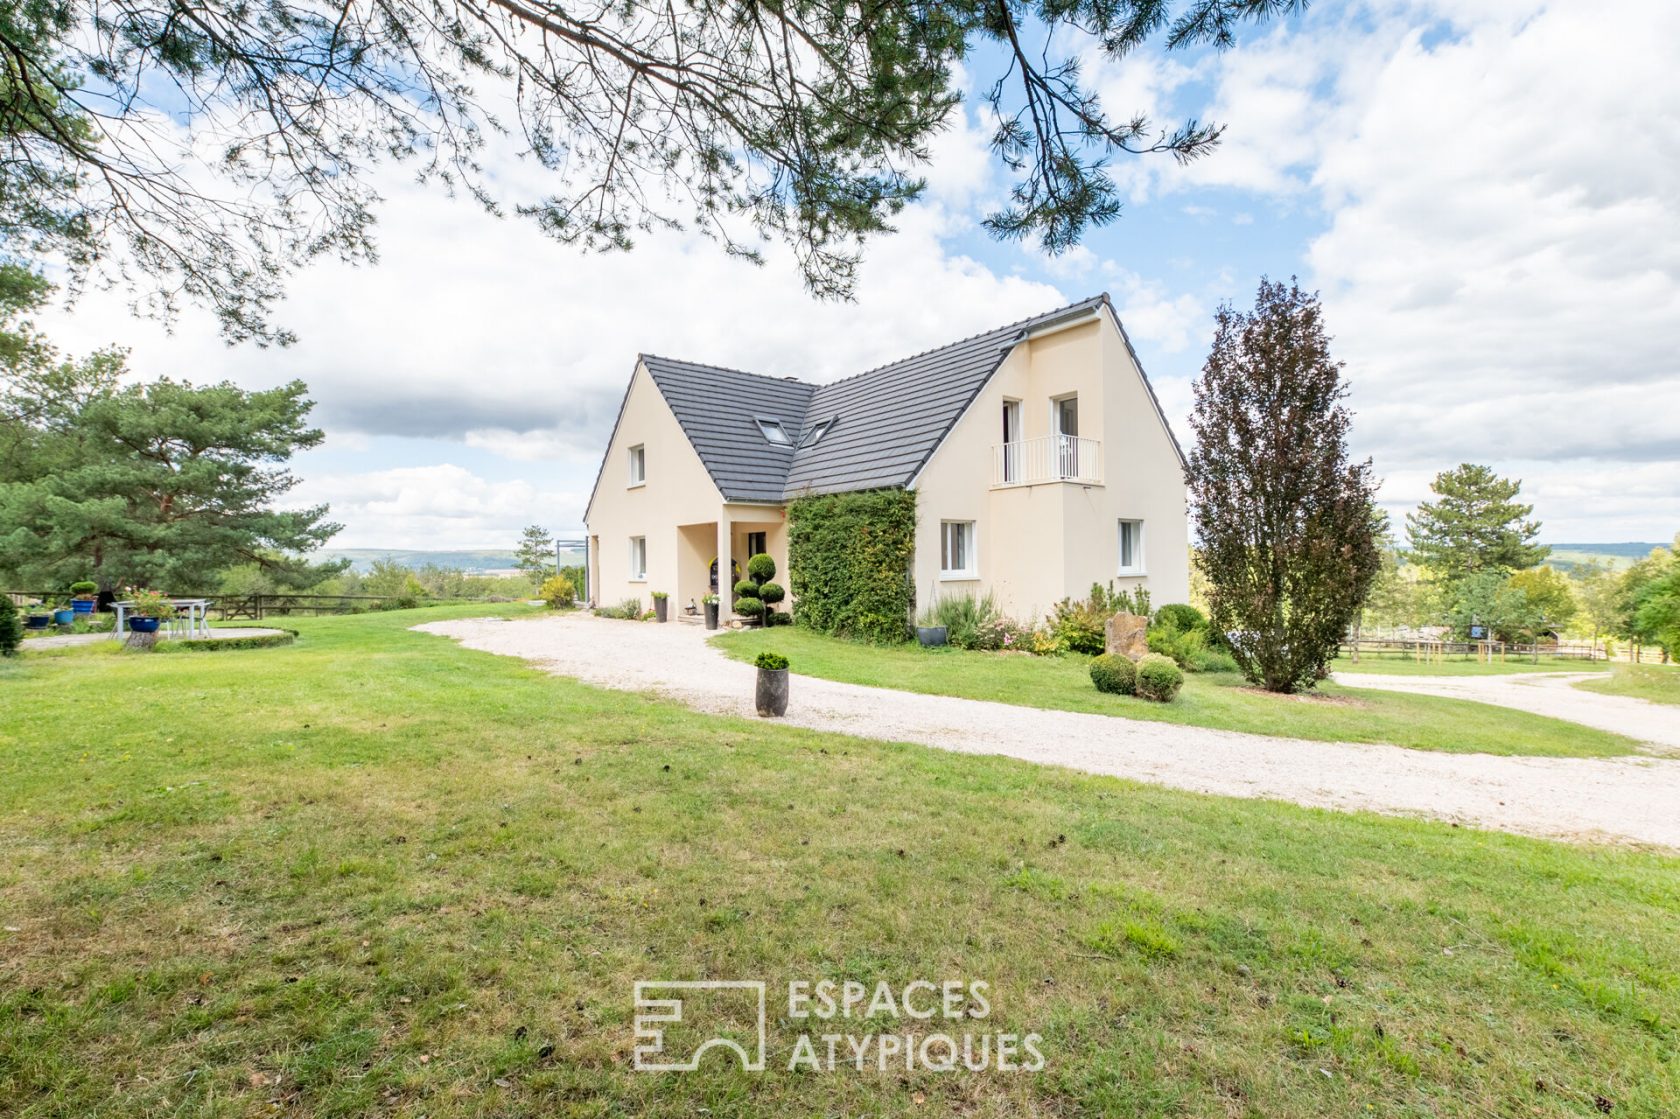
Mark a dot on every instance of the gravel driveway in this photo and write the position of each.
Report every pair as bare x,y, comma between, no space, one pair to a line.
1549,693
1635,799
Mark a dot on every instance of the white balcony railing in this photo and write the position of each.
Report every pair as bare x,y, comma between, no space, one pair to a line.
1050,458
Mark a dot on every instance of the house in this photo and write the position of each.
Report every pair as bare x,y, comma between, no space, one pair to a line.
1040,457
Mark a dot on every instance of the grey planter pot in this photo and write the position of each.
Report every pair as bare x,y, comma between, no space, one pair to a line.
931,635
662,609
711,615
772,692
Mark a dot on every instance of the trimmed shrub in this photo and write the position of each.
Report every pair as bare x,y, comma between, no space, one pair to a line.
228,644
849,560
1181,616
1158,678
11,627
1114,674
558,592
772,661
1215,660
757,594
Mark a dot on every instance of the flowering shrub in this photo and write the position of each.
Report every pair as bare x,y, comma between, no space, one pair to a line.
149,603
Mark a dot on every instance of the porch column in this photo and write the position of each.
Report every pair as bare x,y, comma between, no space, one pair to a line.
726,583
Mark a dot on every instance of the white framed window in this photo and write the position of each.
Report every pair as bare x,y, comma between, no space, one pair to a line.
773,431
1131,548
638,559
638,464
956,550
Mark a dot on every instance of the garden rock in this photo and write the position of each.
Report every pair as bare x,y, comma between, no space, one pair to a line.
1127,635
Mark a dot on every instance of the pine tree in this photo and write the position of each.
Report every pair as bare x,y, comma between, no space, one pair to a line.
1290,537
535,556
1475,525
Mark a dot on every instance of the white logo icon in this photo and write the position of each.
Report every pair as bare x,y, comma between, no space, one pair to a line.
652,1013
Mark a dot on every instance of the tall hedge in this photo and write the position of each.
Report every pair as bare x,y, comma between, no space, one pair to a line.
849,560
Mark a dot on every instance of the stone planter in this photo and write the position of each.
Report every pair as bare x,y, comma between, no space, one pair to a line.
772,692
662,609
711,615
932,635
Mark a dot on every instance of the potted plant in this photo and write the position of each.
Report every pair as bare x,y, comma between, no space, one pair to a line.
37,617
757,595
148,611
772,695
62,614
661,606
710,602
84,596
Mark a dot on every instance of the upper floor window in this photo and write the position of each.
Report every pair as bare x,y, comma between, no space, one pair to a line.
816,432
956,550
638,465
1131,548
773,431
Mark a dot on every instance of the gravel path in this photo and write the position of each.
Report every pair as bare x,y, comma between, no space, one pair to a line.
1548,693
1634,799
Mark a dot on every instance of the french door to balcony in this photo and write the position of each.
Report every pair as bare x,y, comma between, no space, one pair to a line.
1065,416
1012,441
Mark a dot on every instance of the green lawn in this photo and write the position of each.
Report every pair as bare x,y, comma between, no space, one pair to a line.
1220,700
1659,683
374,873
1403,664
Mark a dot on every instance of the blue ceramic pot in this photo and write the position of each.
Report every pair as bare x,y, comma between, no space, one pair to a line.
143,625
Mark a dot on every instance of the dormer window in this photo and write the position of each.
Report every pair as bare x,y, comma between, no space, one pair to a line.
773,431
816,432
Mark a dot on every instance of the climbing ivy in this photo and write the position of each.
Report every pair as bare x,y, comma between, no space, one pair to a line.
849,558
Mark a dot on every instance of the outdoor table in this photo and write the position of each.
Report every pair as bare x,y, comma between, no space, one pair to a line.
198,616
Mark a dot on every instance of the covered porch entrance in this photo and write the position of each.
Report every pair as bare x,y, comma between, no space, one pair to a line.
712,555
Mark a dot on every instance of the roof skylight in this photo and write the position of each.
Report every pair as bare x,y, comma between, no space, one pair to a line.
773,431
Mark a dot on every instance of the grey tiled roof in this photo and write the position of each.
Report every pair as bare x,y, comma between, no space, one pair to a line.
887,422
719,409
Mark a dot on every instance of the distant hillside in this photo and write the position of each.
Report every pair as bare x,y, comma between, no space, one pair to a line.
361,559
1613,556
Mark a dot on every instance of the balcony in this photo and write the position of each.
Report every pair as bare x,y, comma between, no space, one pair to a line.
1050,458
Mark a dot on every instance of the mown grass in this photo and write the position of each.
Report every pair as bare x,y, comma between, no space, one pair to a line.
1659,683
1404,664
1220,700
375,874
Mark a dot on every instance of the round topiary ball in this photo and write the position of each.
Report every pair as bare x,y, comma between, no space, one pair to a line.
1158,678
749,606
1114,674
762,568
746,588
771,592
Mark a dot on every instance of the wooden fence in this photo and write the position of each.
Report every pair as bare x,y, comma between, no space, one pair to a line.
259,606
1428,649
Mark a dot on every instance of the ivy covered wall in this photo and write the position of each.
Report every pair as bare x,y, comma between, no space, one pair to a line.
849,560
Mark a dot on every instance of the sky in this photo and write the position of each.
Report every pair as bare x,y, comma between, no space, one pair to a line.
1485,192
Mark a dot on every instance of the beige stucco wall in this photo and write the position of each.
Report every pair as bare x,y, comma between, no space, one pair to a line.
1039,543
678,492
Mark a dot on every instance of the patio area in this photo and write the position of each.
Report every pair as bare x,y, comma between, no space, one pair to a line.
68,640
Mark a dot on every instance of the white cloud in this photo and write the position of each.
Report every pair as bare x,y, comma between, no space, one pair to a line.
442,506
1501,263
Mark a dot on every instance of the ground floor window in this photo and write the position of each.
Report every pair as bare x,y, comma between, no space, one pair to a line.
1131,548
757,544
638,559
956,549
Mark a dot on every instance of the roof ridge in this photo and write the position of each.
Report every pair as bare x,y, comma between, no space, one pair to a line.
728,369
1101,297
